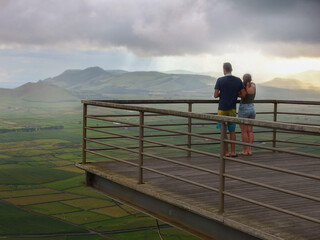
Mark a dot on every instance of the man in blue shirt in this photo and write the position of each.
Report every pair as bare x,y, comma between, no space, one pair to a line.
228,89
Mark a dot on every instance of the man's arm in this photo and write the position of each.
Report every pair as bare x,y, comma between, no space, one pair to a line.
216,93
242,93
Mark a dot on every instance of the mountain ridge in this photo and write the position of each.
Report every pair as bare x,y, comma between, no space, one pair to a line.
97,83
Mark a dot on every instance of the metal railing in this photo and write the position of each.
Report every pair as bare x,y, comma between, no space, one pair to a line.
114,131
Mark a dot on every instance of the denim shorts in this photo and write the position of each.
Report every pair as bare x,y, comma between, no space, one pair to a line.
247,111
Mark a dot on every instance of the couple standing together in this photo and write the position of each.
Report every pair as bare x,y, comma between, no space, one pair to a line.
228,89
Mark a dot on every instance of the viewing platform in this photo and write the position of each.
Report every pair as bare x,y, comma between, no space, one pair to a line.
166,162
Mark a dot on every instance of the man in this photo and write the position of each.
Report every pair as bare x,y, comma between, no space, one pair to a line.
228,88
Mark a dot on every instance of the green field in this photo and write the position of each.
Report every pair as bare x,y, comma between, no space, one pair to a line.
42,192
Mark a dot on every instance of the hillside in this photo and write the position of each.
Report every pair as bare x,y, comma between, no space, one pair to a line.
311,76
97,80
290,84
40,92
267,92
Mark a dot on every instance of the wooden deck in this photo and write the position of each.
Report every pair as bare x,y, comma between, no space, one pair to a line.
257,220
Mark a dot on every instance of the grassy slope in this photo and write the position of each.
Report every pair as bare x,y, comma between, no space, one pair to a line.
33,160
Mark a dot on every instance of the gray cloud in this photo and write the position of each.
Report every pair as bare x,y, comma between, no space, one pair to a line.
164,27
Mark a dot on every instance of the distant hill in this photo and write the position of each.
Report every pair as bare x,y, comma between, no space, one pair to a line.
312,77
180,72
290,84
211,74
96,83
267,92
97,80
39,92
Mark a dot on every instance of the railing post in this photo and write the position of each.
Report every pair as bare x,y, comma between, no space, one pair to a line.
222,167
275,114
141,129
84,133
189,128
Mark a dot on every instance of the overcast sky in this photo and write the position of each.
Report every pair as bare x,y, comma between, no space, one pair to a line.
40,39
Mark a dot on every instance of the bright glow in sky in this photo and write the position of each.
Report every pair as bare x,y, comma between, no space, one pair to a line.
295,65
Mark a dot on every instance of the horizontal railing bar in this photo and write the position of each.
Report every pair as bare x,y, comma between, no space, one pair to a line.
116,126
151,146
124,115
274,149
305,124
181,179
162,129
180,132
303,114
114,146
182,148
274,168
167,145
175,101
244,121
264,112
134,124
156,135
112,133
301,143
137,125
273,188
113,158
180,163
298,133
272,207
135,147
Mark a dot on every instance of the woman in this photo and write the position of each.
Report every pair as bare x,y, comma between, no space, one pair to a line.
246,110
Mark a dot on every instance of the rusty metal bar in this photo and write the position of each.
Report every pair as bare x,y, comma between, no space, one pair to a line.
176,101
189,129
126,115
244,121
137,147
140,180
222,167
183,133
299,143
113,158
303,114
274,137
275,149
182,148
112,133
84,133
153,156
133,124
305,124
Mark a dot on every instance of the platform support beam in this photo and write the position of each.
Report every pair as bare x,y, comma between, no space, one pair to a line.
174,215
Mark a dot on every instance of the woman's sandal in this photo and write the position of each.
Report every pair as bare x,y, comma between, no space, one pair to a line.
243,154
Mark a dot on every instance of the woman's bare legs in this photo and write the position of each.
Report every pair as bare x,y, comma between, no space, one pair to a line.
250,139
245,139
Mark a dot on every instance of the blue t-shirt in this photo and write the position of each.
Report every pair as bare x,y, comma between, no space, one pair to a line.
229,87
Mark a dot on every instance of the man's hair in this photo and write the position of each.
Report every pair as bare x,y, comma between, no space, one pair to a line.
227,67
